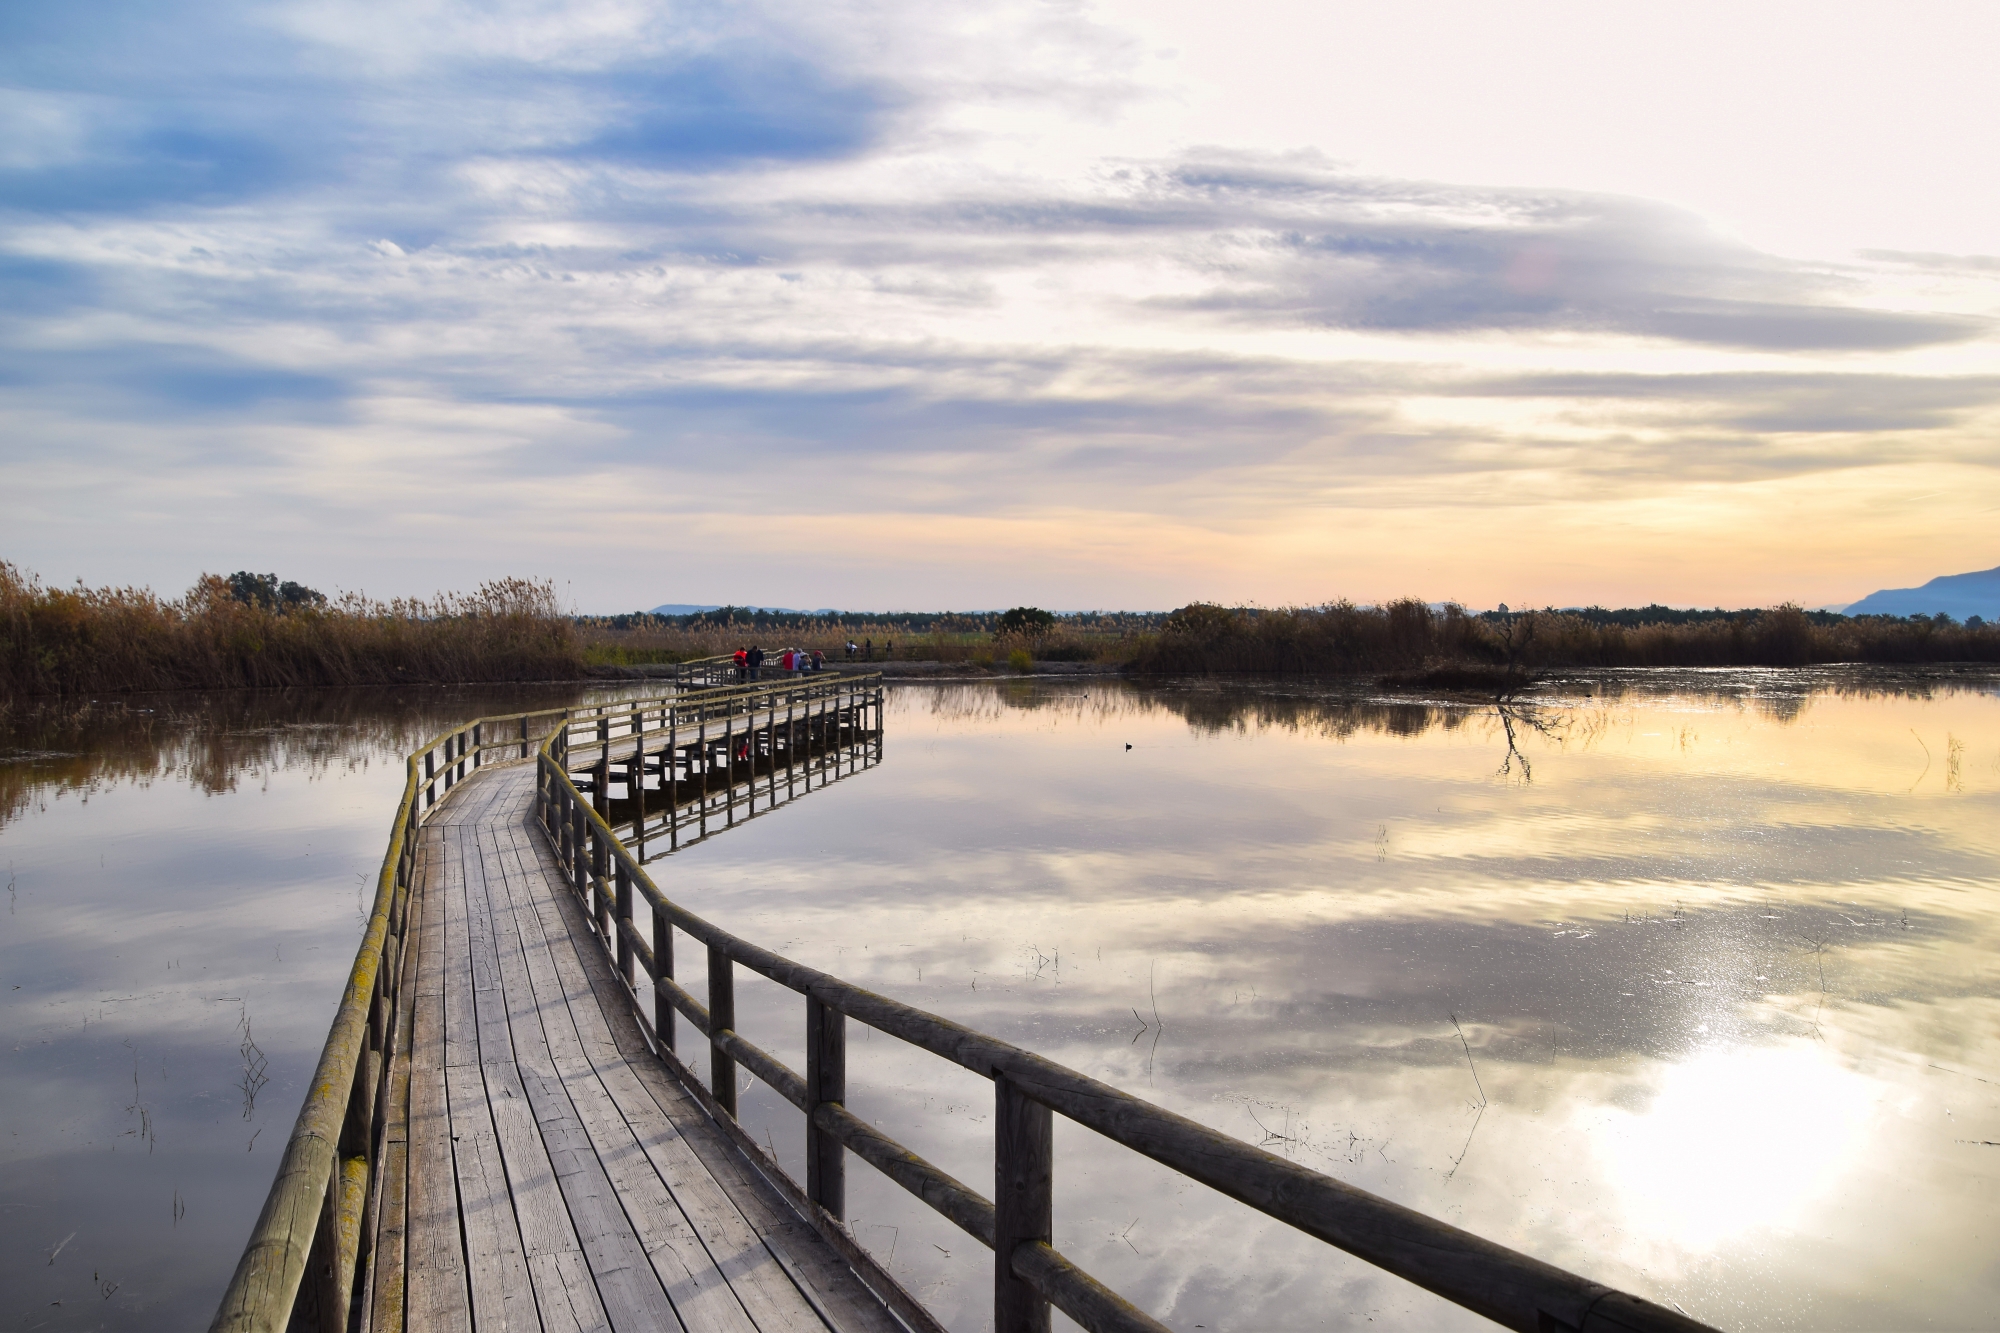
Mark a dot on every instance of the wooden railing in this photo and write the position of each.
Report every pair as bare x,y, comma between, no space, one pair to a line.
307,1247
1030,1276
737,738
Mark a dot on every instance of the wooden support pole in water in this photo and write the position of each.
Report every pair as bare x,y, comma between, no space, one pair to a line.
721,1019
826,1083
673,784
1023,1202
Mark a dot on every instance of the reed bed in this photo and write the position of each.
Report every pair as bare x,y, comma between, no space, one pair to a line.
74,641
1413,639
978,639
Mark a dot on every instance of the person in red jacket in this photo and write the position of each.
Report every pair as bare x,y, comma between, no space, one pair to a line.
742,665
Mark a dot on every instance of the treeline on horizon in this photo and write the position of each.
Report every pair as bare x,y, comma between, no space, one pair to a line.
745,619
253,630
1411,636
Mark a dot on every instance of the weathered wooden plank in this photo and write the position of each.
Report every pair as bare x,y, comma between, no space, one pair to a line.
461,1019
384,1291
696,1285
736,1246
436,1297
496,1267
804,1256
633,1294
539,1207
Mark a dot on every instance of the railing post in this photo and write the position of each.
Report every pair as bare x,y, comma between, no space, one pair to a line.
826,1081
430,778
624,883
600,795
663,966
721,1019
672,762
1023,1210
579,850
635,784
600,871
524,735
478,749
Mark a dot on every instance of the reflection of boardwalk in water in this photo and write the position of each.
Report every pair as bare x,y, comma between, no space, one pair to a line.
663,783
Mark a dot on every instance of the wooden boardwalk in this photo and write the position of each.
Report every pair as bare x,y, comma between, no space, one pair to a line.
543,1168
490,1141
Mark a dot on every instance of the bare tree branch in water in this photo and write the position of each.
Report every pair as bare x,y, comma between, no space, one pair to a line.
1459,1160
1531,718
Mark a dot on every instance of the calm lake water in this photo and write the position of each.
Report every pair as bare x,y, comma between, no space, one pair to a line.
1690,989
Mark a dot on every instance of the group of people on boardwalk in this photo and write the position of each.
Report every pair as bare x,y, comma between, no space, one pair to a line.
750,662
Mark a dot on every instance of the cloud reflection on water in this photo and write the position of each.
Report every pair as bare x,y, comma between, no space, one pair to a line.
1722,970
1705,962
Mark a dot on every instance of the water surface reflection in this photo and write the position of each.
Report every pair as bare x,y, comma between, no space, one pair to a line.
187,878
1691,990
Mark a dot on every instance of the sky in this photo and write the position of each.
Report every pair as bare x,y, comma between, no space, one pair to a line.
1086,305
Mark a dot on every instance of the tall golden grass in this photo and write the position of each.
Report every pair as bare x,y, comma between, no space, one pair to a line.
69,641
1410,636
606,645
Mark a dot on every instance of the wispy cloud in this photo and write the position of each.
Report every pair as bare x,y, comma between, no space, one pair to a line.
855,265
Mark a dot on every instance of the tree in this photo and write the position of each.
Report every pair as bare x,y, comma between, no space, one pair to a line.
1029,621
265,591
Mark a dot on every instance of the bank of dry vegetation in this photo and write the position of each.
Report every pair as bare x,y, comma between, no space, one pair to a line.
245,632
1413,639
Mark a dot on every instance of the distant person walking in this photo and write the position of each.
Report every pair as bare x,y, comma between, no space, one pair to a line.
756,662
818,662
868,646
852,648
742,665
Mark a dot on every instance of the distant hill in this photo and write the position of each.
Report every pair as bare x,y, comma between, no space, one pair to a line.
1956,595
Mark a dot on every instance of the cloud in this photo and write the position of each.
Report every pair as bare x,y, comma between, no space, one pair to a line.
891,252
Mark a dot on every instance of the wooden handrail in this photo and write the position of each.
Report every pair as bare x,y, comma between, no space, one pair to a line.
1511,1288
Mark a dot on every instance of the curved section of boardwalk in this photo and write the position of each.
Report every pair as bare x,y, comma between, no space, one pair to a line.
543,1168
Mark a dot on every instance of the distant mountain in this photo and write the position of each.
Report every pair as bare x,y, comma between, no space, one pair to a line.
683,608
1957,595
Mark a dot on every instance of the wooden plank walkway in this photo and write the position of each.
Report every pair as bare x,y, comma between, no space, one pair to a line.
544,1169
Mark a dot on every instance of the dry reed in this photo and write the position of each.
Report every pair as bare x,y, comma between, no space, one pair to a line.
70,641
1410,636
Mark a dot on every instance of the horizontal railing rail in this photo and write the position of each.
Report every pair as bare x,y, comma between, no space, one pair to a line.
1511,1288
